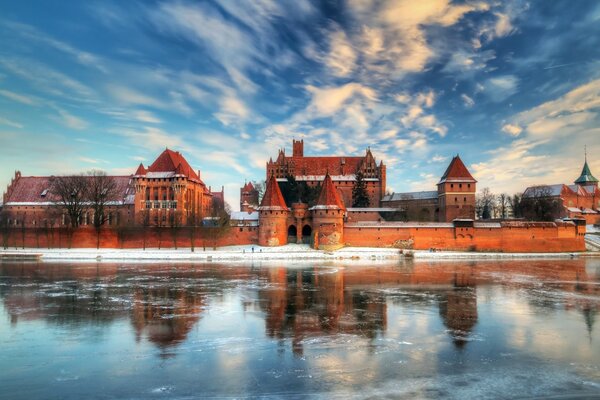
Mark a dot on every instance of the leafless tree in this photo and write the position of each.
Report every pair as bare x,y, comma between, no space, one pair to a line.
70,192
217,224
260,187
100,191
515,205
5,227
503,205
484,203
144,224
538,204
174,225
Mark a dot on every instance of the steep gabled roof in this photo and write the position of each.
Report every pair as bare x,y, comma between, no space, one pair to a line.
329,197
173,161
586,175
273,199
457,172
248,187
141,170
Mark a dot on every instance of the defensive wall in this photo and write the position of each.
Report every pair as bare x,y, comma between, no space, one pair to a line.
460,235
468,235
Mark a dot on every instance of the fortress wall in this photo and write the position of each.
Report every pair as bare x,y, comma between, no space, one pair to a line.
514,239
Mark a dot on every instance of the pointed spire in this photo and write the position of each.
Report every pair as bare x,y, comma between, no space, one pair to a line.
329,197
140,170
586,177
273,199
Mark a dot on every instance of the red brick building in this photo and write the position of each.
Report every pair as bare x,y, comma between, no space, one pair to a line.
342,170
169,192
454,197
248,198
166,193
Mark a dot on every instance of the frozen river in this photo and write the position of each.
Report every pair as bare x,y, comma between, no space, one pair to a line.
464,329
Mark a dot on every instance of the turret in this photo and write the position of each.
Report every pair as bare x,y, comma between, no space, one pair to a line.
272,215
586,178
328,217
456,192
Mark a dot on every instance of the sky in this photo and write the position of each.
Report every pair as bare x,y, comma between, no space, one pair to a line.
511,86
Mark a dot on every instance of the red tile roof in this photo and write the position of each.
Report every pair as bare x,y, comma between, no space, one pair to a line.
141,170
248,187
273,199
329,196
29,189
173,161
323,165
457,171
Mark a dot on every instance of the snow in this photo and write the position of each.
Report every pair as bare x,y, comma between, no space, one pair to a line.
246,253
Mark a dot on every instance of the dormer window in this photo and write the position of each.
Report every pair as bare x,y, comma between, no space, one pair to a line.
44,193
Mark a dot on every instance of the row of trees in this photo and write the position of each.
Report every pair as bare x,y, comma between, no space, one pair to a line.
538,205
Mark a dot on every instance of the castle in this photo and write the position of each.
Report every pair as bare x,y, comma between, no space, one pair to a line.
315,207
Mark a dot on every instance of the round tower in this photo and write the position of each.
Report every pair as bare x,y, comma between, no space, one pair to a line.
328,218
272,216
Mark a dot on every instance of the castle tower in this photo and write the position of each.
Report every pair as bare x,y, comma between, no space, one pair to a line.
272,215
586,178
298,148
248,198
328,217
456,192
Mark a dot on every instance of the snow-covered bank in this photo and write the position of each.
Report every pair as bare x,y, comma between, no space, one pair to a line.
256,253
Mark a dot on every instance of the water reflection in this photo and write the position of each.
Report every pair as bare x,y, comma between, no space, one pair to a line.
356,324
164,302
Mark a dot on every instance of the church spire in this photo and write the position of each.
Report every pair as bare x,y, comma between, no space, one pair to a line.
586,178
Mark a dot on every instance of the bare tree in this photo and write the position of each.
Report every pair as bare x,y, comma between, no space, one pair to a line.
5,227
260,187
538,204
515,205
484,203
503,205
70,193
217,224
100,191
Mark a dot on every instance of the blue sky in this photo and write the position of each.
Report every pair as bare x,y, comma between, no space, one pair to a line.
512,86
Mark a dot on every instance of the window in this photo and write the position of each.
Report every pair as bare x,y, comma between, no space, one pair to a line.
460,185
44,193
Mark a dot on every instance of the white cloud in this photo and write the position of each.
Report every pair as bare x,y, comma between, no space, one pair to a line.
329,100
501,87
341,57
574,113
70,120
18,97
513,130
146,116
8,122
467,101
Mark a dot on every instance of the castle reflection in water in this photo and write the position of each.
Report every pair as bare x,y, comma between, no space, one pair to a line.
164,302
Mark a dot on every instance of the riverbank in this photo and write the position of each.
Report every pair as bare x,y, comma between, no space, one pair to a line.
249,253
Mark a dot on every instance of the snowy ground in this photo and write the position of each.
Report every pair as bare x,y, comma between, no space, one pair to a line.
249,253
